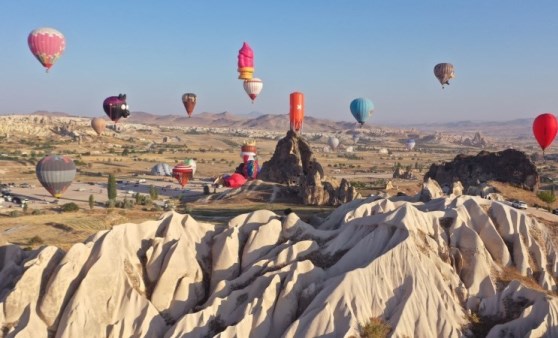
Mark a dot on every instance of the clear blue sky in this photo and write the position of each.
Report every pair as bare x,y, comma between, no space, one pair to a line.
505,55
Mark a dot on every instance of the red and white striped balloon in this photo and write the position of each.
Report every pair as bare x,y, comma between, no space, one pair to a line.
253,87
47,44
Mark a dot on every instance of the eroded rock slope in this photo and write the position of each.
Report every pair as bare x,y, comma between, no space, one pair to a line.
425,268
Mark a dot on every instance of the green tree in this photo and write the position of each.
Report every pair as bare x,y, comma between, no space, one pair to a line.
91,201
111,187
547,196
69,207
153,193
125,152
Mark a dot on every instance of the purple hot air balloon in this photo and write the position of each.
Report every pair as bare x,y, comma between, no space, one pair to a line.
116,107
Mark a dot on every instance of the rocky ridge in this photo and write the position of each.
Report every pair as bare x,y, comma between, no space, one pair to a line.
510,166
293,164
422,267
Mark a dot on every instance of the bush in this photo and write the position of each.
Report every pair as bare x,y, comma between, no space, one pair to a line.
35,240
37,212
70,207
14,213
375,328
110,204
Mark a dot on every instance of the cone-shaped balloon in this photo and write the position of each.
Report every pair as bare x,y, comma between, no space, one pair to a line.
116,107
253,87
410,144
545,127
361,109
98,124
296,114
182,173
189,101
333,142
56,173
245,62
47,45
444,72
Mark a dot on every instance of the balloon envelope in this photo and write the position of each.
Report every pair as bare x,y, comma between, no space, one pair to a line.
182,173
56,173
361,109
444,72
47,45
251,169
189,101
116,107
253,87
333,142
245,62
192,164
296,113
161,169
235,180
98,124
410,144
545,127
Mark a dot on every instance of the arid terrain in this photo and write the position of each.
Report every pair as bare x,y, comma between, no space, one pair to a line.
132,147
207,260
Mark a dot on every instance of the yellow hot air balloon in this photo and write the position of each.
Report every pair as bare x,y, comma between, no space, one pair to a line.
98,124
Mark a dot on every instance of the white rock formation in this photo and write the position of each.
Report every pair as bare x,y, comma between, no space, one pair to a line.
440,268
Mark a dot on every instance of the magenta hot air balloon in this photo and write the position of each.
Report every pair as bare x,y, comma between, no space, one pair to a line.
47,45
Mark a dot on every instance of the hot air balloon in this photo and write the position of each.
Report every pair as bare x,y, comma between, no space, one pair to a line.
116,107
189,101
444,72
182,173
410,144
245,62
250,166
333,142
161,169
545,127
56,173
47,45
253,87
234,181
192,164
361,109
98,124
356,137
296,114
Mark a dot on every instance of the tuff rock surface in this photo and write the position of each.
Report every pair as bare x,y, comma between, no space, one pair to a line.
293,164
424,268
509,166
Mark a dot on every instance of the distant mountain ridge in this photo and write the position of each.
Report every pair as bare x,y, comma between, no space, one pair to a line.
516,128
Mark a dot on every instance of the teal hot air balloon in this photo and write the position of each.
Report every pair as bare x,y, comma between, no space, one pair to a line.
56,173
361,109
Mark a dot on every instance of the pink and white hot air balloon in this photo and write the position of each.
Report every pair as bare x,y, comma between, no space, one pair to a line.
253,87
47,44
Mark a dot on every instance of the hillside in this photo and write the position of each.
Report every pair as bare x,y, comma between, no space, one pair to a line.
450,267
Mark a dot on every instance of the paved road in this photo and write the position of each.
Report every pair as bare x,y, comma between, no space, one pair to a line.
79,192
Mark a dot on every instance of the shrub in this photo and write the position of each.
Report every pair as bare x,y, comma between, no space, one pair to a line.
375,328
35,240
110,204
14,213
70,207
